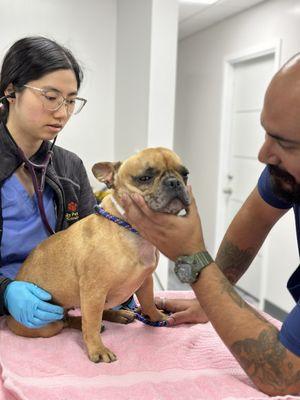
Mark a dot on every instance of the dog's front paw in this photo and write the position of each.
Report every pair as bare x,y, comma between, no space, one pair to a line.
156,315
102,355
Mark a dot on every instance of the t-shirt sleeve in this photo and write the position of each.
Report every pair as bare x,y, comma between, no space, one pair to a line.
265,190
289,334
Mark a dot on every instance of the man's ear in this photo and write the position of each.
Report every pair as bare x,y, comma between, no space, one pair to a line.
105,172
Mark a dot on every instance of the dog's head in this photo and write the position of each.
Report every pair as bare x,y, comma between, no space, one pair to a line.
155,173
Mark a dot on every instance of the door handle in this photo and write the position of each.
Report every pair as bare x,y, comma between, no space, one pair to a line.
227,191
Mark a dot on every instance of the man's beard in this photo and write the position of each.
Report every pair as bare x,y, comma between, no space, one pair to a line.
284,185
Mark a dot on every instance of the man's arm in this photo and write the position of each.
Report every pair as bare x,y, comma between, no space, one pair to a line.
252,340
242,241
245,236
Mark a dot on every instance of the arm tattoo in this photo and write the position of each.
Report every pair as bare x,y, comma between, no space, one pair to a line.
264,360
233,261
236,298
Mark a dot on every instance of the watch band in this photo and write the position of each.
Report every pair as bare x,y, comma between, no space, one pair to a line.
203,258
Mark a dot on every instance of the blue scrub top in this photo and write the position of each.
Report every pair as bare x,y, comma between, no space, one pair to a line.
23,228
289,335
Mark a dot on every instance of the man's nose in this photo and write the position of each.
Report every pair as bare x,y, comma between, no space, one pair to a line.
268,152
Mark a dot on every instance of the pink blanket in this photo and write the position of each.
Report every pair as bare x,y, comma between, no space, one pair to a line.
183,362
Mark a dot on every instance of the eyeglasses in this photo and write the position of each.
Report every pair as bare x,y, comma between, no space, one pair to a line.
52,100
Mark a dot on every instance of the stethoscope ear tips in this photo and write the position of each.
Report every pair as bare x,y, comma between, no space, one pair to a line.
11,95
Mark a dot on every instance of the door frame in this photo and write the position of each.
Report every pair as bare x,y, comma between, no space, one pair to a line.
229,62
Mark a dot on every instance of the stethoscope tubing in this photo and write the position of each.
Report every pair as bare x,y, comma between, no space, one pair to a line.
39,188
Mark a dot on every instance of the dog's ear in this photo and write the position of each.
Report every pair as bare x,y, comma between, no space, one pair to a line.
105,172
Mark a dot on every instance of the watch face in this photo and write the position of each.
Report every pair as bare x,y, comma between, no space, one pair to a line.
184,273
188,268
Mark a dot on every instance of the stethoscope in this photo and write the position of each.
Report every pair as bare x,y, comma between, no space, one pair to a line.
32,167
39,187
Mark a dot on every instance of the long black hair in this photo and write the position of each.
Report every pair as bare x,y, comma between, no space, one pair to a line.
31,58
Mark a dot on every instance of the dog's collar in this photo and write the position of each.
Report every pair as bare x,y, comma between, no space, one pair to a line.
117,205
100,211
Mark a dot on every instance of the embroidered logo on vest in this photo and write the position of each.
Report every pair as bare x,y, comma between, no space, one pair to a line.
72,213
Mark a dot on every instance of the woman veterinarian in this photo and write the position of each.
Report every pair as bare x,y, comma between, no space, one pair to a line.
44,188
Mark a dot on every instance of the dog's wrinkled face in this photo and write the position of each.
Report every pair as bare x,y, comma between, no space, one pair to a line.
155,173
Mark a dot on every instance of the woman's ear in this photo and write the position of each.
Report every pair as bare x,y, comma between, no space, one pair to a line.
10,93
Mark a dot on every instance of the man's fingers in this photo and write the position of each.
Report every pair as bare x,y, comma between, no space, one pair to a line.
170,305
192,209
187,317
141,204
133,212
178,318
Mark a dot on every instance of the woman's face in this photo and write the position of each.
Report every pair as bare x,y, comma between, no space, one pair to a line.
27,113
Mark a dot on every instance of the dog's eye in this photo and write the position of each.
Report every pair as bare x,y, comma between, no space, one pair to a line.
185,176
145,178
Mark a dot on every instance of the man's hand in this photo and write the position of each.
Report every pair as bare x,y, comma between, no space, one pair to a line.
184,311
173,235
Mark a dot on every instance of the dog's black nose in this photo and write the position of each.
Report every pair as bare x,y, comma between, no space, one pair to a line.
172,183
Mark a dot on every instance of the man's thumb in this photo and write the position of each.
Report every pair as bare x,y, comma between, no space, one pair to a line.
178,318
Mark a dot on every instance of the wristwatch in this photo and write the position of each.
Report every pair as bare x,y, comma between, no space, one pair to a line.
188,268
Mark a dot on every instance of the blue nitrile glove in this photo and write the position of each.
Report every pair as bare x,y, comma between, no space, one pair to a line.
27,303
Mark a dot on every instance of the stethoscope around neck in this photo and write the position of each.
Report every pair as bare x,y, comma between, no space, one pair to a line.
32,168
39,187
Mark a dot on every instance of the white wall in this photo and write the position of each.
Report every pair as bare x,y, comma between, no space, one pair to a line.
145,74
199,88
146,80
89,30
163,73
199,93
132,75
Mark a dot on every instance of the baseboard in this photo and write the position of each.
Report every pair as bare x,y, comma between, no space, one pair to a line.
275,311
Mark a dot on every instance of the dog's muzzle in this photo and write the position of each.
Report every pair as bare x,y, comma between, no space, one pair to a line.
171,197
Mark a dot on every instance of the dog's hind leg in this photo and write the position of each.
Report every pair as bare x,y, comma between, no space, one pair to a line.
119,316
76,323
46,331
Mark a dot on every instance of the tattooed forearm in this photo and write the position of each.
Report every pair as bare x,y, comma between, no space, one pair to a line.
229,289
265,361
233,261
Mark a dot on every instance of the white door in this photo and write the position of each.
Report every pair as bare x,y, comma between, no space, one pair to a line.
249,79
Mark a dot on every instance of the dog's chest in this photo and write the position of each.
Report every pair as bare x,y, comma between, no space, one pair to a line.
133,270
147,254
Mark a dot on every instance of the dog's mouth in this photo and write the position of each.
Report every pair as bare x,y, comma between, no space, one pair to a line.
169,203
175,206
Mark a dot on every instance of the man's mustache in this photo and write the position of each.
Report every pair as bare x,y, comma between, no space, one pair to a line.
276,172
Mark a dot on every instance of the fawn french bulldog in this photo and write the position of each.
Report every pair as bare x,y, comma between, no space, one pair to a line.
96,264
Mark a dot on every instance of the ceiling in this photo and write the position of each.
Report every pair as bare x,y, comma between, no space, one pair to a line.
194,17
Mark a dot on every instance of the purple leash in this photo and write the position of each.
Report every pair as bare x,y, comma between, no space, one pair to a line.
100,211
147,321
